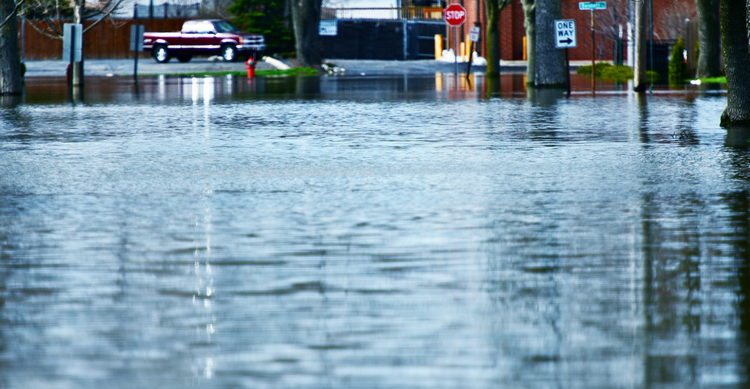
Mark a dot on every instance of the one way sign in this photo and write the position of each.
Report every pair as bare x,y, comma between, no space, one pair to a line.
565,34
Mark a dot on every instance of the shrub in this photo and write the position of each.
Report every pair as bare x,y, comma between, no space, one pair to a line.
268,18
608,72
652,77
697,50
677,67
600,66
619,73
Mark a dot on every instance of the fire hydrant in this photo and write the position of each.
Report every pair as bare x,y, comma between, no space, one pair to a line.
250,68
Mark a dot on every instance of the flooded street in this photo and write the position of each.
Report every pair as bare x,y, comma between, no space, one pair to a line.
371,232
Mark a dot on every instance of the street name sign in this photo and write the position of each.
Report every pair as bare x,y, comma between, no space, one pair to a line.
72,42
474,34
565,34
136,37
585,5
328,28
455,15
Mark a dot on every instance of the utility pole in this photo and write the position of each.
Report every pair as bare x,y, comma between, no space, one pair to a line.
639,63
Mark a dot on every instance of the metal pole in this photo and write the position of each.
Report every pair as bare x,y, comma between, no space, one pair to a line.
135,64
651,41
615,55
593,55
405,27
23,40
455,49
479,24
71,75
567,69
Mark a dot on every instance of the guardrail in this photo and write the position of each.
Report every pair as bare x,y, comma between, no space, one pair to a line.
408,13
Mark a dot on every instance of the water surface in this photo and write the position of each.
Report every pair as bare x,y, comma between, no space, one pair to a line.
370,232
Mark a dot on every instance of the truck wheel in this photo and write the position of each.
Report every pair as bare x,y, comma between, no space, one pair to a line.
184,57
161,54
229,53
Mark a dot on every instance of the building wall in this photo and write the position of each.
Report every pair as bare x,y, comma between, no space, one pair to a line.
669,22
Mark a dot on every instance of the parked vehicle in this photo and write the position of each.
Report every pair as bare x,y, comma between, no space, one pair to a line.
203,37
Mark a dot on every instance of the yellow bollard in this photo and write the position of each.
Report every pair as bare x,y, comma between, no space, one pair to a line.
438,46
524,48
468,47
462,51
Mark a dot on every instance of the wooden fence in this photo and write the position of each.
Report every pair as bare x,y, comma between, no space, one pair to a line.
108,40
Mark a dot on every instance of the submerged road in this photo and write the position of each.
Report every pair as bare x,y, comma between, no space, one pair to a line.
124,67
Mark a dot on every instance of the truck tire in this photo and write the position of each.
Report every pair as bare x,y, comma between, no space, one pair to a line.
229,53
161,54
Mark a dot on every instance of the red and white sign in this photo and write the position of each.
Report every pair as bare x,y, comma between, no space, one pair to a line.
474,34
455,15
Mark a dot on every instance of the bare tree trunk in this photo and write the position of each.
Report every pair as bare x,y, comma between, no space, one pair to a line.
493,38
549,61
734,39
10,57
494,8
76,72
709,36
306,20
529,23
639,52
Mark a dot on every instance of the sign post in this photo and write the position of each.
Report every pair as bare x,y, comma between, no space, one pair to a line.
136,44
473,37
565,38
593,6
73,51
455,16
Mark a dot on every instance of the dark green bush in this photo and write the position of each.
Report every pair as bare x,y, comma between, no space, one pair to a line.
677,66
268,18
600,66
652,77
607,71
697,50
619,73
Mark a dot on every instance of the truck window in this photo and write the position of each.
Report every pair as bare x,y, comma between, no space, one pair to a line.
204,28
225,26
190,28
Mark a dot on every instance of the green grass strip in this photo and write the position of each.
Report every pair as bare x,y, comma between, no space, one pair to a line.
293,72
714,80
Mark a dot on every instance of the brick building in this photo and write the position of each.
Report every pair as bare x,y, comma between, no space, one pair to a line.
668,23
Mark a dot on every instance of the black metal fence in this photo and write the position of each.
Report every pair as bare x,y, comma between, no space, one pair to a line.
662,51
382,39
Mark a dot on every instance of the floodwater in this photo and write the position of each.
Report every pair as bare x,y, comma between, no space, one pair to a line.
371,232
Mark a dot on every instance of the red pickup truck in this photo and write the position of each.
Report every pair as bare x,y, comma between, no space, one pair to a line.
202,37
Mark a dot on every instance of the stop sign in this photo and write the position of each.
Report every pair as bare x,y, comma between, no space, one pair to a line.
455,15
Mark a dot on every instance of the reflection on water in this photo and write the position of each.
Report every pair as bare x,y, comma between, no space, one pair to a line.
371,232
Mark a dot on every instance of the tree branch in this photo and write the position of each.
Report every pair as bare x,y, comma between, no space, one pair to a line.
45,33
13,13
107,14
